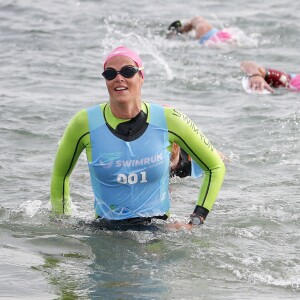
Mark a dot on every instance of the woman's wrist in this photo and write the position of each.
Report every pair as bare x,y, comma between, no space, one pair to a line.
253,75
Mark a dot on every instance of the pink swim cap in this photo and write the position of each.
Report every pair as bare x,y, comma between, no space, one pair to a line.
295,83
123,51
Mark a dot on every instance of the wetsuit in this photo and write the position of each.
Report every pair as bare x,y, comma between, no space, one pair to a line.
186,167
216,36
114,150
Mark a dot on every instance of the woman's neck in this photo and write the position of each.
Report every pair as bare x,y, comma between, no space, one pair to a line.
114,118
125,111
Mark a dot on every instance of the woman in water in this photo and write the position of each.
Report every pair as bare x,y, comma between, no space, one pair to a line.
261,78
128,144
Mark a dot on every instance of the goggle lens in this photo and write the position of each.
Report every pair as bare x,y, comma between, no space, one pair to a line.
127,72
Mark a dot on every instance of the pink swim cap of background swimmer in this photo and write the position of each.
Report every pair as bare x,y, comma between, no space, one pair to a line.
295,83
123,51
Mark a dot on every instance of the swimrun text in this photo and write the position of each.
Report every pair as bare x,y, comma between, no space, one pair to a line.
194,127
141,162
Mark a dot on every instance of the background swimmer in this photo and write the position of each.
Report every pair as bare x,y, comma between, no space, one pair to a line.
204,31
261,78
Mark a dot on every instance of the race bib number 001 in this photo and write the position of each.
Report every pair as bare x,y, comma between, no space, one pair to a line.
132,178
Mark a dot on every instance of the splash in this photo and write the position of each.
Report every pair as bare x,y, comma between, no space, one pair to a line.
144,45
31,208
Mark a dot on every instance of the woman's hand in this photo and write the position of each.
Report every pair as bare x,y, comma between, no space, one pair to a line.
257,83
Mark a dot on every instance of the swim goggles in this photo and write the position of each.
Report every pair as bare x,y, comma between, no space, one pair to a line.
127,72
175,26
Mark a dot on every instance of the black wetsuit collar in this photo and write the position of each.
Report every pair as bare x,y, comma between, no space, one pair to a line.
131,129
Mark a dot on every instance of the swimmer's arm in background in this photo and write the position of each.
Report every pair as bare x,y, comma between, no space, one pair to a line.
256,74
75,139
185,133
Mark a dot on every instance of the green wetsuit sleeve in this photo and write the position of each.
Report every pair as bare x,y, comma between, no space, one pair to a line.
75,139
186,134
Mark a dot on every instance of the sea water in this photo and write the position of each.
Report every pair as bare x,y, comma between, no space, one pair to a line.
51,62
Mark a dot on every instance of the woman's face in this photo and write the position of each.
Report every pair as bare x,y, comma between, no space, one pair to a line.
123,90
